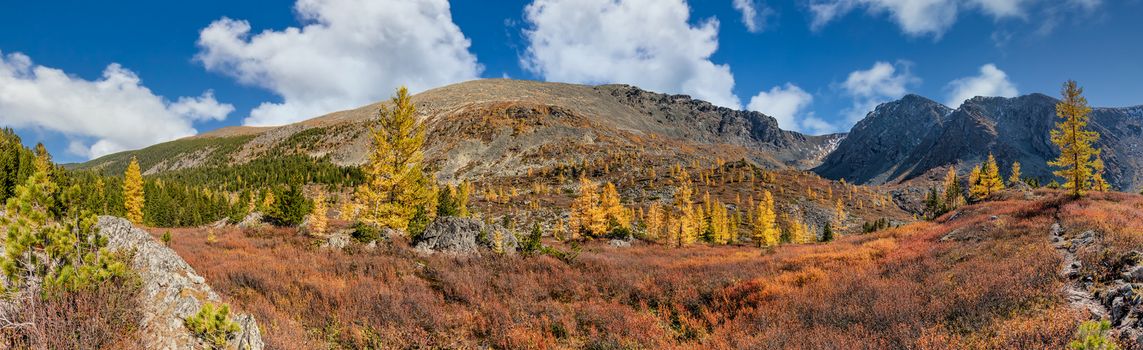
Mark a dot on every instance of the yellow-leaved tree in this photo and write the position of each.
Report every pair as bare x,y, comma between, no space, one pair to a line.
586,214
654,221
133,192
686,230
318,221
1015,177
395,183
987,181
1079,160
766,231
614,214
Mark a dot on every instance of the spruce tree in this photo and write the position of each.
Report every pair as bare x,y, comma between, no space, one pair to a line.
395,184
133,192
1079,160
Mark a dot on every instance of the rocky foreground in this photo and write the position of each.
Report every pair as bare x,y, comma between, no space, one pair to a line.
171,290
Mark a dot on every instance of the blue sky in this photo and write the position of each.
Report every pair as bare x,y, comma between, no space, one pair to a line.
89,78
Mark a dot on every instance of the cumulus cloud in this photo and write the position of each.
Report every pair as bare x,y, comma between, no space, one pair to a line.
755,15
347,53
787,104
990,82
116,111
648,43
878,84
204,107
919,17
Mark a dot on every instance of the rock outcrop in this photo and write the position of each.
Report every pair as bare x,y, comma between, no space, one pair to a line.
461,236
171,290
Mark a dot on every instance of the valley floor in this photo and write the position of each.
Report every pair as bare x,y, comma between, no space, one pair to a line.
984,277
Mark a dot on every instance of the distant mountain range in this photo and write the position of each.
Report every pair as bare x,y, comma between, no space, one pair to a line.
504,127
904,139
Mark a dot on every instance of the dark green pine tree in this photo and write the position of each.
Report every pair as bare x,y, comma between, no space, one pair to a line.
290,207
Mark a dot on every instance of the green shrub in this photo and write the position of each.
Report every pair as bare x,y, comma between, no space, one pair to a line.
1092,335
213,326
365,233
166,238
532,244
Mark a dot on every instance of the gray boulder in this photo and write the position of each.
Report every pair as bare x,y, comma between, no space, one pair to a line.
619,243
252,220
337,240
463,236
1134,274
171,290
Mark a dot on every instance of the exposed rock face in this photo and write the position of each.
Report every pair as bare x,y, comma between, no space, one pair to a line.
462,236
877,145
904,139
171,291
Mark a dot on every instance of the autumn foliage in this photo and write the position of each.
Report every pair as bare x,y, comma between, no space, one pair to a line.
985,279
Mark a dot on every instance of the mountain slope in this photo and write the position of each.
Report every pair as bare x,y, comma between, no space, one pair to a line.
489,127
905,139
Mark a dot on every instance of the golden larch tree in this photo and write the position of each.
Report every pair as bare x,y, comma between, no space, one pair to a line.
586,214
954,193
133,192
615,215
318,221
1079,159
395,183
654,221
990,179
839,215
1014,175
688,218
975,188
765,231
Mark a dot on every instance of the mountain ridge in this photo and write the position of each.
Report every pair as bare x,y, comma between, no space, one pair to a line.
477,126
1012,129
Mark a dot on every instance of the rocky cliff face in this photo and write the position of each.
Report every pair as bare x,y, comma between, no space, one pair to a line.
171,290
904,139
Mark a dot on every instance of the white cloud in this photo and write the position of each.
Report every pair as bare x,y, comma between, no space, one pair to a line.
1002,8
648,43
878,84
348,53
991,82
755,15
116,111
786,104
919,17
204,107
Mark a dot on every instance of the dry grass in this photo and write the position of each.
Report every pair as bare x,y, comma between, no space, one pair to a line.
991,284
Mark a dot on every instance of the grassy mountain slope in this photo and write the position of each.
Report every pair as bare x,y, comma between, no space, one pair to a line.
493,127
